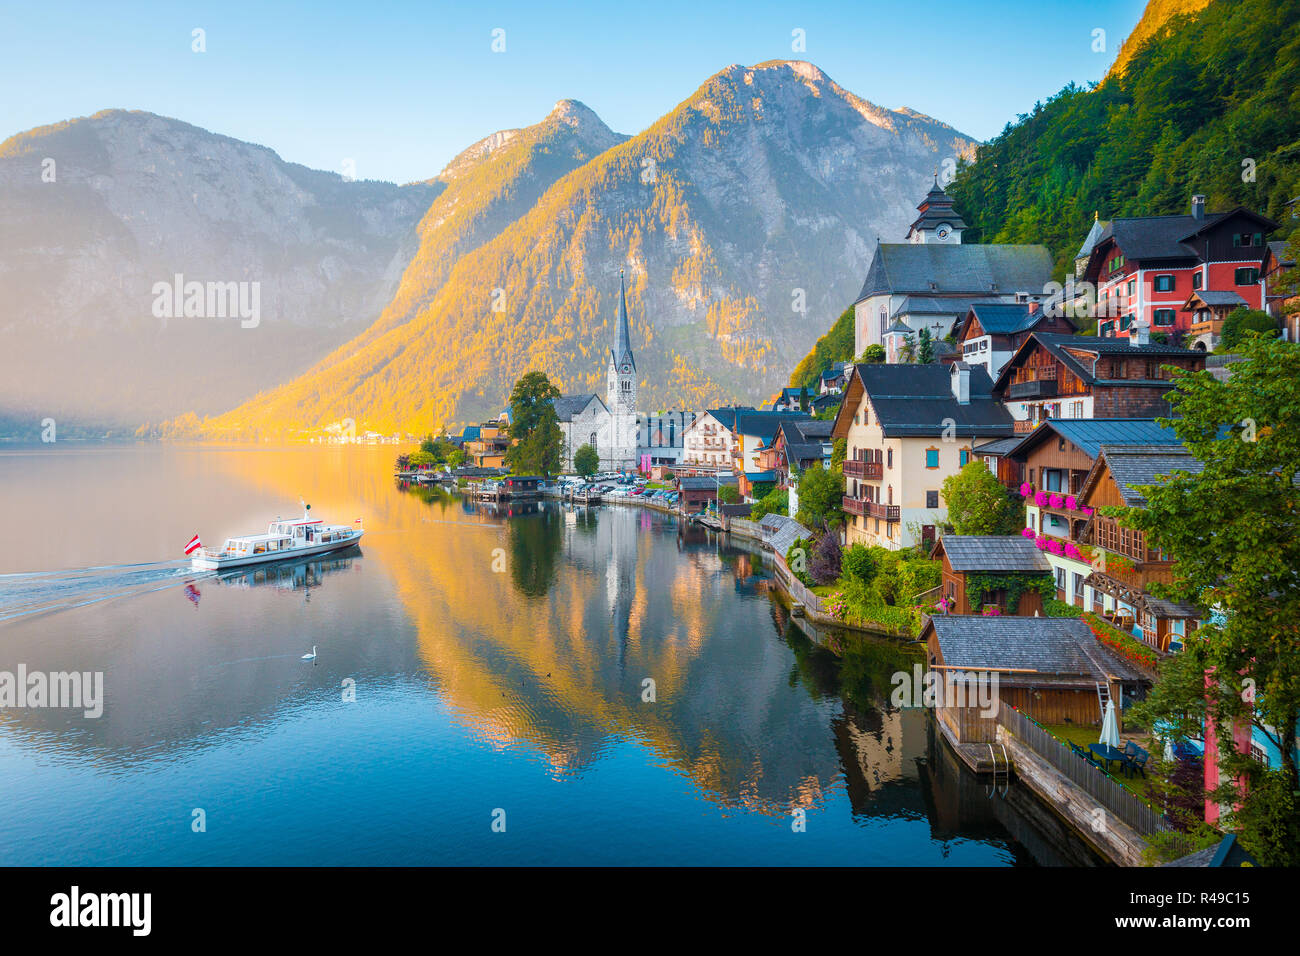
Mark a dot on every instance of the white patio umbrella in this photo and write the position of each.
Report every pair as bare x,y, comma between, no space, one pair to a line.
1110,726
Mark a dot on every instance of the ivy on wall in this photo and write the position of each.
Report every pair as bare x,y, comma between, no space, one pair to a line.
980,583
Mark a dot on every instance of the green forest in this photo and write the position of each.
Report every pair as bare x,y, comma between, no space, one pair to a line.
1210,104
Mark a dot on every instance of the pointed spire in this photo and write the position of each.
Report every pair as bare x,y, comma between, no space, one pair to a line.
621,354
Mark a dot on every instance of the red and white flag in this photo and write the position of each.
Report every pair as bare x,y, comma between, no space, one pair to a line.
194,545
358,521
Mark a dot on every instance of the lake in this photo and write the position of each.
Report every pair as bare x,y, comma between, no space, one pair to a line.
537,686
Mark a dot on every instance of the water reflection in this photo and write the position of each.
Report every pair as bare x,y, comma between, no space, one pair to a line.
609,632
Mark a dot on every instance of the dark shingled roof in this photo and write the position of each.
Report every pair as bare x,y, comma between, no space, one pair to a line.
931,305
1057,343
1218,297
1155,237
1006,318
977,270
999,447
917,399
980,552
780,532
1143,465
727,416
704,482
763,424
1049,645
566,406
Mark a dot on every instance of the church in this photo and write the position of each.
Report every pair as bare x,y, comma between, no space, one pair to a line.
931,280
609,426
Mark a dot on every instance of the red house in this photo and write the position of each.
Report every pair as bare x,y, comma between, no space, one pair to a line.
1147,269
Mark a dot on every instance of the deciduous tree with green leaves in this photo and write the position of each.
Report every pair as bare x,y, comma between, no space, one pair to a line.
979,504
586,460
821,497
1233,531
537,447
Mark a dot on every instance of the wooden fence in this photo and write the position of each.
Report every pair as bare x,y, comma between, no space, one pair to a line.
1094,781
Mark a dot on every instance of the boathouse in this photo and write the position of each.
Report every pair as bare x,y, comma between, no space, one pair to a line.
1051,668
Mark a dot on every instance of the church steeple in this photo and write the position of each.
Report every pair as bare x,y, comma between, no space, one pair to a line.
621,354
937,221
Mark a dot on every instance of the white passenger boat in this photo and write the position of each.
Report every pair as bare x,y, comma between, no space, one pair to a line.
283,540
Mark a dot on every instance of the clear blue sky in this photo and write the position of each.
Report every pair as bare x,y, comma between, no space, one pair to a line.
401,87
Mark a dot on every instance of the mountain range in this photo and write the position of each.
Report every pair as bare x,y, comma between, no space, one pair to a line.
743,220
98,211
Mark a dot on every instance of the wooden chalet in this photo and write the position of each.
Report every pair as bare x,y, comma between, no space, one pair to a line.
1082,376
1123,564
1050,668
965,557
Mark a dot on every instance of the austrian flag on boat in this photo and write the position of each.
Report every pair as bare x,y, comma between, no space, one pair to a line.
194,545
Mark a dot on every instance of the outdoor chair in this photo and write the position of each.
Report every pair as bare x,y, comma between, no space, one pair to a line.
1080,752
1135,758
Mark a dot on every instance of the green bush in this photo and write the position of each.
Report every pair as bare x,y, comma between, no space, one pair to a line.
1054,608
775,502
857,562
1243,321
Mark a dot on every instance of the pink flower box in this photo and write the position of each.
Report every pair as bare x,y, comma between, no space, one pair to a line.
1056,501
1040,499
1055,547
1025,490
1072,552
1072,503
1041,541
1027,532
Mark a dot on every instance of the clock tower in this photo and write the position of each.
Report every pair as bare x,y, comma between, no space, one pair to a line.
620,390
938,220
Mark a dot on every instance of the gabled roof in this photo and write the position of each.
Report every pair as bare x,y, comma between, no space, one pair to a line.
999,446
1166,237
568,406
980,552
1089,434
1047,645
1007,318
705,482
918,400
936,268
726,416
1132,466
762,424
1213,297
1089,241
1058,344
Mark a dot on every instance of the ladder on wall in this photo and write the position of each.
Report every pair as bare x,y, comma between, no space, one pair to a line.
1002,773
1103,697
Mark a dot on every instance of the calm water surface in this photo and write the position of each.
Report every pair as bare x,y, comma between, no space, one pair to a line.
498,663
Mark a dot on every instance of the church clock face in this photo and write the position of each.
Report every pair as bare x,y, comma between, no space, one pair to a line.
943,232
627,370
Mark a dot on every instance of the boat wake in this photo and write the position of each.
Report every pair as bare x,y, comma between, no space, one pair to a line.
41,592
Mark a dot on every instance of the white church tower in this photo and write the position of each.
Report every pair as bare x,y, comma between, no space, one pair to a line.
619,452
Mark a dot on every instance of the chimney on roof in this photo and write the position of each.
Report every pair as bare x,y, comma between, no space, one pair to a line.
1139,334
1034,306
960,380
1198,206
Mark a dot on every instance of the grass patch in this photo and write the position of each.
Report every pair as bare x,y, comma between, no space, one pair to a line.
1083,735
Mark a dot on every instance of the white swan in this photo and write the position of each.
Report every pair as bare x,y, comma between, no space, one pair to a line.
311,656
